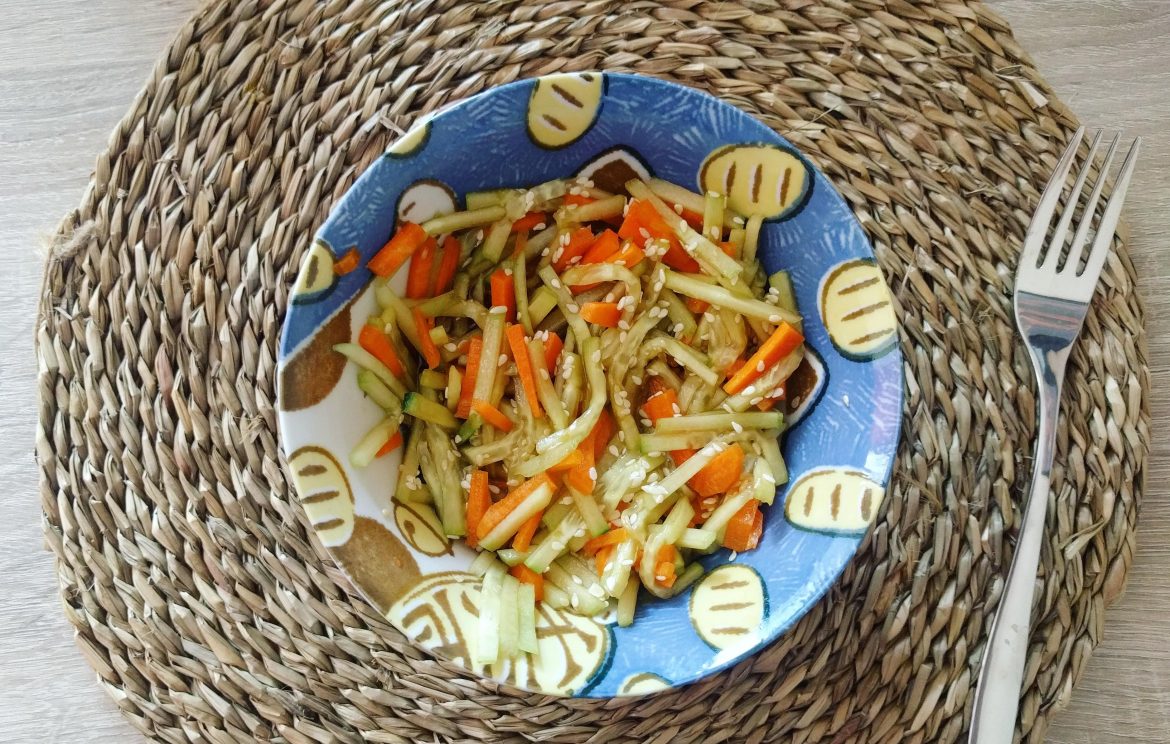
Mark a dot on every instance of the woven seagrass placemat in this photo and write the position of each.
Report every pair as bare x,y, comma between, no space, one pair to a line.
210,614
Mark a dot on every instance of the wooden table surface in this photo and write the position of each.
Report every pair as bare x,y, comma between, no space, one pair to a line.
68,71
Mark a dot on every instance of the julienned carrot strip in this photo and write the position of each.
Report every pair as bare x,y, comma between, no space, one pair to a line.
736,366
448,265
519,346
667,554
579,242
677,258
393,443
728,248
422,325
721,473
527,576
664,574
529,222
492,415
741,534
479,500
606,244
577,200
521,243
418,279
474,352
497,511
681,456
783,341
409,238
572,460
552,351
603,431
657,385
697,306
642,216
504,292
376,342
694,219
661,405
523,539
629,255
348,262
613,537
604,314
601,560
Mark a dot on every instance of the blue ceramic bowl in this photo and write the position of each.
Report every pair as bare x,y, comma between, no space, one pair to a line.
839,452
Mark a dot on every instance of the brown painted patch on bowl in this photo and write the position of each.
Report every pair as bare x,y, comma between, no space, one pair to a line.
313,371
378,563
612,169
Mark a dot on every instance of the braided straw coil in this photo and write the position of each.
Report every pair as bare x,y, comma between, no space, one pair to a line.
197,594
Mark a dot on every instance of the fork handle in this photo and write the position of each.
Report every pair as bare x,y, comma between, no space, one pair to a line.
997,695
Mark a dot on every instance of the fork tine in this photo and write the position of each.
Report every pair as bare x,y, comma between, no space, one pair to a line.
1108,226
1090,211
1052,255
1034,237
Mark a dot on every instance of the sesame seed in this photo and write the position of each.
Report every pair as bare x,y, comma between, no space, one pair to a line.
644,233
738,427
450,347
498,310
733,556
678,209
774,319
613,450
493,488
539,226
573,307
593,473
544,253
574,601
757,400
597,591
623,325
760,366
479,236
502,360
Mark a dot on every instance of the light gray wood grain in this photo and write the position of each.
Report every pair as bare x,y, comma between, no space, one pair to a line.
69,69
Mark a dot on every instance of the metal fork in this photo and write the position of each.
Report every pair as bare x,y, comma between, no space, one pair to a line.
1051,299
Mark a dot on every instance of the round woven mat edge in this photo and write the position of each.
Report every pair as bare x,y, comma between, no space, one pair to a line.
196,639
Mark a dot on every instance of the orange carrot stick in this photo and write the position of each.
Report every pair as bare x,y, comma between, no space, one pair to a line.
422,325
418,278
376,342
661,405
604,314
629,255
527,576
448,266
601,560
409,238
783,341
348,262
523,539
721,473
741,529
504,292
479,500
552,351
529,221
474,352
606,244
697,306
492,415
603,431
497,511
613,537
579,242
518,344
393,443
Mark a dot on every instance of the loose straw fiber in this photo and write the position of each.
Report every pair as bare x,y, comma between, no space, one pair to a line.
199,598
